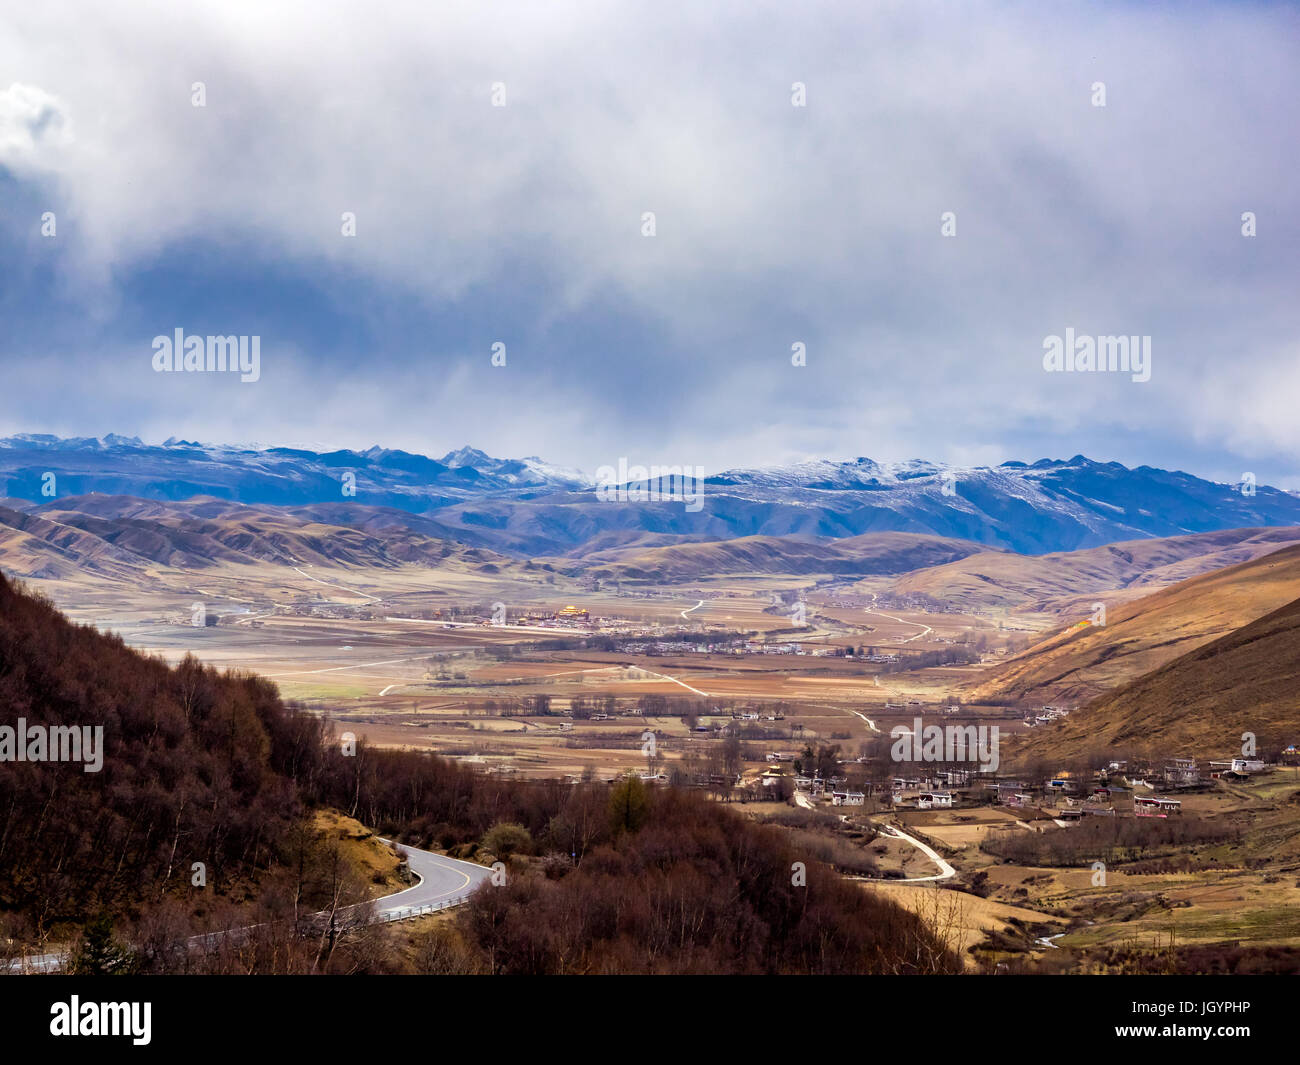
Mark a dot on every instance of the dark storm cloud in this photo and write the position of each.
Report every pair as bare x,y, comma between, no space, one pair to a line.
775,225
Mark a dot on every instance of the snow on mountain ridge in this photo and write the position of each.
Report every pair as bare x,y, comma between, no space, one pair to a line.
531,506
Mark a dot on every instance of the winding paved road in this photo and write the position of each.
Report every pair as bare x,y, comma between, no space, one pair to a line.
443,882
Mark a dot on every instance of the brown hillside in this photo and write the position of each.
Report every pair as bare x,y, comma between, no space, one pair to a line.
1201,702
118,538
1062,581
1077,665
869,553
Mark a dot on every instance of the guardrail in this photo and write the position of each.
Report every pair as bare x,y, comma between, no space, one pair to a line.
48,963
36,963
416,911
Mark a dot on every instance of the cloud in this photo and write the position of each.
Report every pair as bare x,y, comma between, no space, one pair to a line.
774,223
34,128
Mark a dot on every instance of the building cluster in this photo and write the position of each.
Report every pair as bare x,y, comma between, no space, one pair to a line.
933,791
833,789
1046,716
565,617
1111,791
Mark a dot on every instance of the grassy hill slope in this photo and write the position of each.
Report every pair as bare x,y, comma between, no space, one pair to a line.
1078,664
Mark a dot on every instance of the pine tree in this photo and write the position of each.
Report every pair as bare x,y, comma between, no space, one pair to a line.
100,953
628,804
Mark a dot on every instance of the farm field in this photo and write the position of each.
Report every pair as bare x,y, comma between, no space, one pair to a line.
410,658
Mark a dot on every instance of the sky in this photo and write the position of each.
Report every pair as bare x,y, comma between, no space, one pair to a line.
799,160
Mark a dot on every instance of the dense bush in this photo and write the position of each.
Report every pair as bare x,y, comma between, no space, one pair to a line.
696,889
1108,839
197,767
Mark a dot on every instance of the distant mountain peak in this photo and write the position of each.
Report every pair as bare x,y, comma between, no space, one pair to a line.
467,456
115,440
534,507
47,441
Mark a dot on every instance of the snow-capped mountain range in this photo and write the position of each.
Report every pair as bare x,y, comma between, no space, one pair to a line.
529,507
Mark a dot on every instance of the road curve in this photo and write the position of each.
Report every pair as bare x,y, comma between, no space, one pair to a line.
443,882
946,871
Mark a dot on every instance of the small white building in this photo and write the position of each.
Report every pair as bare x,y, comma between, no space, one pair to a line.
1183,771
1150,806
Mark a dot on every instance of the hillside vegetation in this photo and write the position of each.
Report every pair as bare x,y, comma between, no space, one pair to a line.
1247,681
1080,663
119,538
1067,580
197,767
869,553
